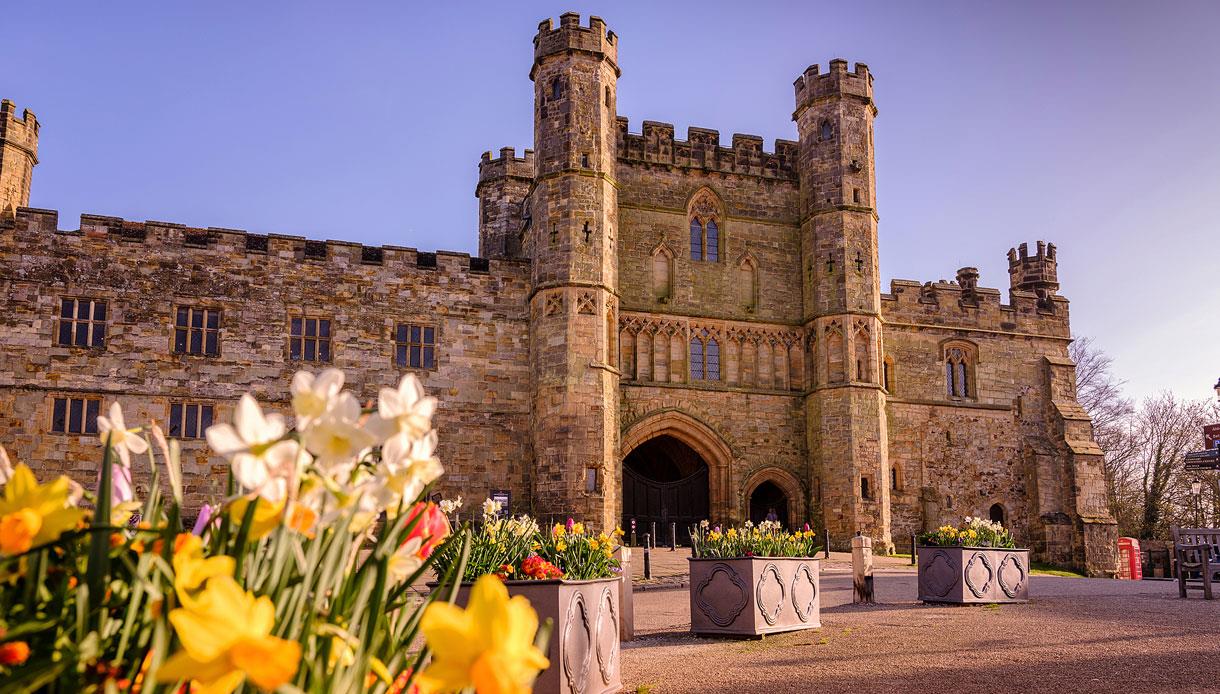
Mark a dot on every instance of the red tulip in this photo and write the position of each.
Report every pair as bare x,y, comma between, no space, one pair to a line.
432,527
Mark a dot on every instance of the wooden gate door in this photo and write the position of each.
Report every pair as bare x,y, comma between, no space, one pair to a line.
646,501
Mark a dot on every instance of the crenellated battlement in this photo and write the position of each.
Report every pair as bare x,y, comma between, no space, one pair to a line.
962,304
702,150
20,132
507,165
1038,273
237,242
837,81
571,36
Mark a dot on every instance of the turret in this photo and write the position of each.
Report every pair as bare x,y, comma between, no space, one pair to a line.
18,156
503,186
571,242
842,299
1037,273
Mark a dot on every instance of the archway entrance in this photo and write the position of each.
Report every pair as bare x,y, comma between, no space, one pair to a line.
664,481
769,502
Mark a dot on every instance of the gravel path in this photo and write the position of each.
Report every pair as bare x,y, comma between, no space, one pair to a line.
1076,635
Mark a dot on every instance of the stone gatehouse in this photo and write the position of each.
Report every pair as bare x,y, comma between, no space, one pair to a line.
657,329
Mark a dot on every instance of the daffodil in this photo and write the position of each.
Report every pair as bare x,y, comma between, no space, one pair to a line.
406,467
192,570
405,410
313,395
263,461
32,514
488,646
123,441
226,639
405,560
336,438
267,515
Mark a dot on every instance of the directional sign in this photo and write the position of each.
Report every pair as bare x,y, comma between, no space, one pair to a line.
1211,436
1203,460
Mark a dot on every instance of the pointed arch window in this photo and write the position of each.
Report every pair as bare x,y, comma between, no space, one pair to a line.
704,358
959,373
662,274
705,212
747,284
696,239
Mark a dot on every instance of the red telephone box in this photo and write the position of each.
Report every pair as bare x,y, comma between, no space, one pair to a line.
1130,566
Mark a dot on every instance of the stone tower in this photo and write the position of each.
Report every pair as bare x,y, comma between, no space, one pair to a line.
574,281
18,155
845,410
504,184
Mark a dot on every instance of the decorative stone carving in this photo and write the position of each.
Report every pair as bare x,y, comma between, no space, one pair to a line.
786,595
973,574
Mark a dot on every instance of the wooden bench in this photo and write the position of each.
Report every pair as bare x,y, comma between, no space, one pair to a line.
1197,550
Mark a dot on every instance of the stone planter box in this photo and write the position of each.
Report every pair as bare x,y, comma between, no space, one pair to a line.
753,596
584,645
968,575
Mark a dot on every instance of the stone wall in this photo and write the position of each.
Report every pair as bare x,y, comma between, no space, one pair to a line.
145,270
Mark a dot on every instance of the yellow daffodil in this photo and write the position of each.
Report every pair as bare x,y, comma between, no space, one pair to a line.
32,514
558,530
578,529
488,646
561,546
267,516
226,638
593,545
192,570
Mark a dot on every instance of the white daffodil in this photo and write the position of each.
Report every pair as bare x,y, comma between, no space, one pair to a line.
450,506
405,410
491,508
262,460
123,441
313,395
406,467
405,560
336,438
6,467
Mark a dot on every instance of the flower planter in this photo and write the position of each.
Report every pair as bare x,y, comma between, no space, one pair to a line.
968,575
752,596
584,645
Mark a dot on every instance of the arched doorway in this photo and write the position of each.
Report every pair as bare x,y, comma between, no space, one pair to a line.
769,502
664,481
997,513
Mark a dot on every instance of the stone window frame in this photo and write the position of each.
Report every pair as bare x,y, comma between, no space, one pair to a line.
748,263
180,432
959,361
204,330
89,403
705,339
403,328
662,295
889,374
303,339
897,483
91,323
706,208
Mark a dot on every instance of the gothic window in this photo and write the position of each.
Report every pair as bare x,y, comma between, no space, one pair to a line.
82,323
197,331
705,218
959,373
75,415
827,131
864,355
556,88
704,358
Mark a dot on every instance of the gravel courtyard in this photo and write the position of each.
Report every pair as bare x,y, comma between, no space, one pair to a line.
1076,635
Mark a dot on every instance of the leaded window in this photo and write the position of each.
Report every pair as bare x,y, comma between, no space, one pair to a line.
957,374
704,358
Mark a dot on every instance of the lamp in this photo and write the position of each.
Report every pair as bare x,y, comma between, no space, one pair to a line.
1218,387
1196,487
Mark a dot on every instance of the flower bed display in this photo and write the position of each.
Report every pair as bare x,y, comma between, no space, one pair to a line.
570,577
754,580
975,563
288,582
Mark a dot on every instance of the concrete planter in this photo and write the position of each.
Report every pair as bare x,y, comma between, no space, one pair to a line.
968,575
584,646
752,596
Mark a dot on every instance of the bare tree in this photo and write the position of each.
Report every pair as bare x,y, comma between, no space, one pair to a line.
1163,431
1100,394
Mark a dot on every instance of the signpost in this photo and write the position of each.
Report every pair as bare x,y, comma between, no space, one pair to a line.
1211,436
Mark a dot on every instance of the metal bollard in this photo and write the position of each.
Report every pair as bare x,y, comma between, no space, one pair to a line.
912,549
826,536
673,537
653,536
634,542
647,557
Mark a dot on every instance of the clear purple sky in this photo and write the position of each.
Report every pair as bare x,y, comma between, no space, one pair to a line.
1092,125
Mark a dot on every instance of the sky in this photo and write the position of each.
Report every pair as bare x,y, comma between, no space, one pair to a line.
1093,125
